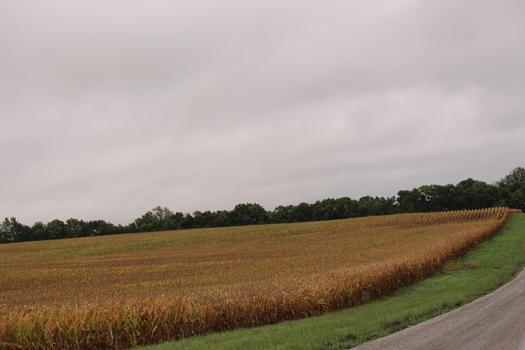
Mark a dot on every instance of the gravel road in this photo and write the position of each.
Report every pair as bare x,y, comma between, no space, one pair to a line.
495,321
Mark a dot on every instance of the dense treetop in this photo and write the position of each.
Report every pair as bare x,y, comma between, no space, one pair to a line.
467,194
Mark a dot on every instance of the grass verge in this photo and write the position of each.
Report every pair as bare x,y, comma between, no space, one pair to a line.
481,271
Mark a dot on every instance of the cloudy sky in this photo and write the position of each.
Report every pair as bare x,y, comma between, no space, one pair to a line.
110,107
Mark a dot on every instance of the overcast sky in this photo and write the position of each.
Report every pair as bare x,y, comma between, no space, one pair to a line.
108,108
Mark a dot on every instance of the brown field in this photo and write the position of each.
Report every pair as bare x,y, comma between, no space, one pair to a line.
124,290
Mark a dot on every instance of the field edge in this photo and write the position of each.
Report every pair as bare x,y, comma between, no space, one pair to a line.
490,265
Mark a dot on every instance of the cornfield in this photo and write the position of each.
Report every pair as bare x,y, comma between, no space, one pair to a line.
121,291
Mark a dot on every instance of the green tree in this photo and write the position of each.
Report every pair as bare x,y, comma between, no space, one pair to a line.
515,181
75,228
39,230
157,219
56,229
512,189
13,231
410,201
248,214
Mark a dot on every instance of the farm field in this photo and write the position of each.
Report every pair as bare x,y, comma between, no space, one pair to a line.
126,290
482,270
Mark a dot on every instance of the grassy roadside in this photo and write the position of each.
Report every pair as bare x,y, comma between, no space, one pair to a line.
479,272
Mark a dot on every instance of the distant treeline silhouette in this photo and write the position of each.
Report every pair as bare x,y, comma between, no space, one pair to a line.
467,194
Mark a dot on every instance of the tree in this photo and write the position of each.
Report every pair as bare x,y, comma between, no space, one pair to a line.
147,222
222,218
13,231
330,209
375,206
56,229
410,201
248,214
157,219
174,221
467,194
439,197
187,221
517,200
512,188
514,181
345,207
204,219
99,227
39,230
301,212
281,214
75,228
476,194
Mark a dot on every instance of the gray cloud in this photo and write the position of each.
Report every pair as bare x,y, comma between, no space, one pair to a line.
108,108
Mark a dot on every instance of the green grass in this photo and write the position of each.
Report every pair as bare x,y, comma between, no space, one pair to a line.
481,271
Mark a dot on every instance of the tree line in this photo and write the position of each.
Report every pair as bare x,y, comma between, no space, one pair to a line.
467,194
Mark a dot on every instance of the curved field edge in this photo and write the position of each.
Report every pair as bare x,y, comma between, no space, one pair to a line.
114,325
479,272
